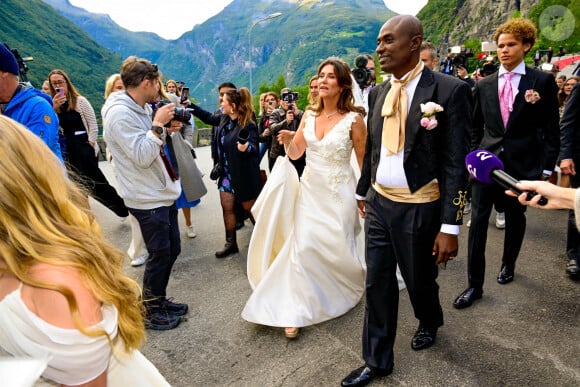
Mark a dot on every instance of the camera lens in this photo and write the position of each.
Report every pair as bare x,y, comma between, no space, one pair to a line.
182,115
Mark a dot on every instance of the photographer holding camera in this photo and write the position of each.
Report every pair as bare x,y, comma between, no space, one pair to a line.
286,117
147,182
364,79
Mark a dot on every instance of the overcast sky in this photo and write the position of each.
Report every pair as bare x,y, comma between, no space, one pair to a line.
171,18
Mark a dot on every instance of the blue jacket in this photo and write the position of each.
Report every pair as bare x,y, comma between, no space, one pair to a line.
33,109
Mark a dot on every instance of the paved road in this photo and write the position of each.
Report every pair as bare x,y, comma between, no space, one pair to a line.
521,334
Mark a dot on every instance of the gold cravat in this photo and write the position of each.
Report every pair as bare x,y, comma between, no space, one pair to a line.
395,112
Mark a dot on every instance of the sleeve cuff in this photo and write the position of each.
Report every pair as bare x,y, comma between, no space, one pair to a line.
358,197
452,229
154,138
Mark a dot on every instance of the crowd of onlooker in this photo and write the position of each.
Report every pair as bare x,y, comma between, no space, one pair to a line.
57,254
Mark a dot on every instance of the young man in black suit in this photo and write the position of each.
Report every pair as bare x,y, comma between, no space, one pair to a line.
411,191
516,117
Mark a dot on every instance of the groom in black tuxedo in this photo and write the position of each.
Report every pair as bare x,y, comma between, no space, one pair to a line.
516,117
411,191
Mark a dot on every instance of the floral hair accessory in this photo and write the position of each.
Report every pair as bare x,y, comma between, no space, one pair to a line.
532,96
429,110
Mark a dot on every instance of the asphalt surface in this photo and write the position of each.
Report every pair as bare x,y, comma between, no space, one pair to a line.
525,333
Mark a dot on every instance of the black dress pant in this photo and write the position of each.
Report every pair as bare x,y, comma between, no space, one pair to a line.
483,197
81,160
398,233
573,237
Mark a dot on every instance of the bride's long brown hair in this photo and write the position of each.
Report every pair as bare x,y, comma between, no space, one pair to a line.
343,76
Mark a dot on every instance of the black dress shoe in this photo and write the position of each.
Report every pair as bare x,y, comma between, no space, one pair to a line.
363,376
505,276
573,268
424,338
465,299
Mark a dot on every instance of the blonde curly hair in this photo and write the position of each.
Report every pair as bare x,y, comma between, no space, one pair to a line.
45,218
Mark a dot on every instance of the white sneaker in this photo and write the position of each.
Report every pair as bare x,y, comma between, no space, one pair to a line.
191,232
139,260
467,208
500,220
468,224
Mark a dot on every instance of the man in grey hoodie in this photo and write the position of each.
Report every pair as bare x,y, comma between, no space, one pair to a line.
147,182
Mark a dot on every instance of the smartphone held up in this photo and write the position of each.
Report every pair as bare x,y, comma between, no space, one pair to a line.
184,95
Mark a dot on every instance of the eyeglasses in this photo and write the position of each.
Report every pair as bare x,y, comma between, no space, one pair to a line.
57,83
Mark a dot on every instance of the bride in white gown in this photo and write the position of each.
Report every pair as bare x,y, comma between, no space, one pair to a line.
303,263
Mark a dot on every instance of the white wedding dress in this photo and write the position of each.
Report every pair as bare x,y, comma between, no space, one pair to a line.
303,263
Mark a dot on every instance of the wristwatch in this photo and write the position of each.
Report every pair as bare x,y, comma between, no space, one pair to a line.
158,129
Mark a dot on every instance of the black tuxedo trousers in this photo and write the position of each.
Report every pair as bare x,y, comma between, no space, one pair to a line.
398,233
483,198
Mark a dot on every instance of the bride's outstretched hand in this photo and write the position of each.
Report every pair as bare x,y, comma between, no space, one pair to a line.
285,136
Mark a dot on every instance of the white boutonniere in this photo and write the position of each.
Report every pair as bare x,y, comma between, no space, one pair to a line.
532,96
430,109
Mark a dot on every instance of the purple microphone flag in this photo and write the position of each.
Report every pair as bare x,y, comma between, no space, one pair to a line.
481,163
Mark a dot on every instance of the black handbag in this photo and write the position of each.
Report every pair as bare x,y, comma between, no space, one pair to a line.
216,171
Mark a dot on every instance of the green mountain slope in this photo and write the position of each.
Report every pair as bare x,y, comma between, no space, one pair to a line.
37,30
110,35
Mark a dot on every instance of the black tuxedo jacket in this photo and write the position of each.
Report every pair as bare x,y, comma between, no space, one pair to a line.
429,154
530,143
570,128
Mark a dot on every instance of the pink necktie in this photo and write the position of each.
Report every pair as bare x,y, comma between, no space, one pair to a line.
506,98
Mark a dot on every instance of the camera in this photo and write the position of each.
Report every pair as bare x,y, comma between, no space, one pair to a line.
459,57
361,74
181,114
290,97
22,67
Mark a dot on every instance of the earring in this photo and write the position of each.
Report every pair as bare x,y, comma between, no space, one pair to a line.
231,111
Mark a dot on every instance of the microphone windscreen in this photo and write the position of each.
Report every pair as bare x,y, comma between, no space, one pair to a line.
481,163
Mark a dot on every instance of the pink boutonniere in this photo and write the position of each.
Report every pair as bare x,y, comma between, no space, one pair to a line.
532,96
430,109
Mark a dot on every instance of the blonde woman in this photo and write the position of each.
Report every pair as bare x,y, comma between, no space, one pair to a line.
114,83
63,295
172,88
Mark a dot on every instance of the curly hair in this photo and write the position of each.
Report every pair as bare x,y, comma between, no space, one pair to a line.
45,218
522,29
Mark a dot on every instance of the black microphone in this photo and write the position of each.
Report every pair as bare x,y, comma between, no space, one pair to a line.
487,168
